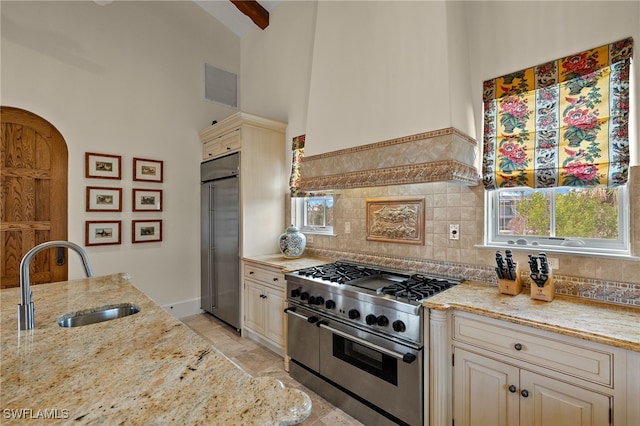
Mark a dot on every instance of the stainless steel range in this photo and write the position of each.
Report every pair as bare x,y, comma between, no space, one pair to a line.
355,337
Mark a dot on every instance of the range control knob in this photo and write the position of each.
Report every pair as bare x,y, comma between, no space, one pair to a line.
295,292
370,319
354,314
312,300
383,321
399,326
319,300
304,295
330,304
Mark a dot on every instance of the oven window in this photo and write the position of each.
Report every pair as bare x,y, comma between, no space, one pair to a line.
373,362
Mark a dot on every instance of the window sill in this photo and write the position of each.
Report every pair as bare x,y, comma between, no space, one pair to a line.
564,250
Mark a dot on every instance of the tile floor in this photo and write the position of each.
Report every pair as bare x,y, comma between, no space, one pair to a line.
260,361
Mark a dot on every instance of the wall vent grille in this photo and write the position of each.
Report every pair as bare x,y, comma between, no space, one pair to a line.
220,86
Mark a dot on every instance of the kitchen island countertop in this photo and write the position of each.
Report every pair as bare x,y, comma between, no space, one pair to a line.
600,322
148,368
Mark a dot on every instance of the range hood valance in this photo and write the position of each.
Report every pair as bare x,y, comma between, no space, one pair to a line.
445,155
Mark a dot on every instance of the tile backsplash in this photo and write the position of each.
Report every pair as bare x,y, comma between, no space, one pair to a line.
610,280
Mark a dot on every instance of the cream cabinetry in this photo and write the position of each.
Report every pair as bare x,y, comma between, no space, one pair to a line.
264,303
263,175
222,145
508,374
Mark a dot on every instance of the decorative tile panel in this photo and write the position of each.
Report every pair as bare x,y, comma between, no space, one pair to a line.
443,155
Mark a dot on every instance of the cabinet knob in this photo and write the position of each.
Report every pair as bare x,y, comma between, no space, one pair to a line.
524,393
251,273
228,148
512,389
275,279
518,346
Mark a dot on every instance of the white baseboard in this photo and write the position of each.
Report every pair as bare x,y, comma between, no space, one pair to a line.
184,309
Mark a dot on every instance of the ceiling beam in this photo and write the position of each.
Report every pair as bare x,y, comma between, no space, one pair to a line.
258,14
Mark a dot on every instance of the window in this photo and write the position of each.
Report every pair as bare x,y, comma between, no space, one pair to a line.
556,153
314,214
590,220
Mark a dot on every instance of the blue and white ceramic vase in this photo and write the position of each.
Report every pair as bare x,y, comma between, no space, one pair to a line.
292,243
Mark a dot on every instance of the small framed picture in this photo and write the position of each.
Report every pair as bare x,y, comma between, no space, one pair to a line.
101,199
102,232
102,166
147,170
145,200
146,231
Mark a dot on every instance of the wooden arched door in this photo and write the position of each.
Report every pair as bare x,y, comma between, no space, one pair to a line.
33,208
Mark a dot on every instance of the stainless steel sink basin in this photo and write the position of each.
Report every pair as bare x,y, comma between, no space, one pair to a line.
96,315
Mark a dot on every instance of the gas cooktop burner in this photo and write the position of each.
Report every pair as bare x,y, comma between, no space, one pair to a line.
411,288
338,272
417,287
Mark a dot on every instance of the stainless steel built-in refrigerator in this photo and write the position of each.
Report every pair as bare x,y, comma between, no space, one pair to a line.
220,245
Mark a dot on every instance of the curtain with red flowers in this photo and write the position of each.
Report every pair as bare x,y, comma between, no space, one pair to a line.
563,123
294,181
297,147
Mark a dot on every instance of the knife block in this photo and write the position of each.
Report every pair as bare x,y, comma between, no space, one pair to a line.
511,287
546,292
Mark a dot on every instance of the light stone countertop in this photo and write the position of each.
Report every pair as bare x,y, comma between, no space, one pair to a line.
145,369
288,265
590,320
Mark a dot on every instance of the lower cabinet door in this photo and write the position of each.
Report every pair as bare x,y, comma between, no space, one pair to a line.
550,402
485,391
274,315
254,306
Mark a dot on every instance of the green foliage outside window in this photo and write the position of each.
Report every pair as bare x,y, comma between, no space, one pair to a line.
582,213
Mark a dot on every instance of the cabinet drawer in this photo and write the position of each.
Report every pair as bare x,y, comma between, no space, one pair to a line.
556,352
225,144
264,275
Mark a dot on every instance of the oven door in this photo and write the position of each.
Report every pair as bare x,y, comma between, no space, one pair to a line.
303,339
380,371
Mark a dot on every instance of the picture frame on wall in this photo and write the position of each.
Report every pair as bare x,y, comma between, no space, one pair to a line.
146,170
102,166
146,231
398,220
146,200
102,199
102,232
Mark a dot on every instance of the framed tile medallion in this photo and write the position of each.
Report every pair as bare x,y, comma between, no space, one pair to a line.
396,220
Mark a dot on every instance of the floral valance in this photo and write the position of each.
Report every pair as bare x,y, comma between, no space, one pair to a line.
297,147
562,123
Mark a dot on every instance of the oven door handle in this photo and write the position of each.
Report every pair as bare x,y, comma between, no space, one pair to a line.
293,312
406,357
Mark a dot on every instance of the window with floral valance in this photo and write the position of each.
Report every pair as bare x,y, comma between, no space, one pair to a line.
313,212
562,123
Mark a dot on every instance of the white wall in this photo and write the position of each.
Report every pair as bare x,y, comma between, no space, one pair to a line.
540,32
380,71
124,79
389,69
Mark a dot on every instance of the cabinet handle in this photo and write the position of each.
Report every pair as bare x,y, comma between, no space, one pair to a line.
512,389
524,393
228,148
518,346
251,273
275,279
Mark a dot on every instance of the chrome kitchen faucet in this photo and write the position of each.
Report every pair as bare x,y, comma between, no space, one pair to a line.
25,308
